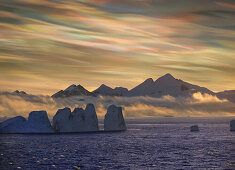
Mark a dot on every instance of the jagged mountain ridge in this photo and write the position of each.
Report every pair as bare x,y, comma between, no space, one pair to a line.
165,85
73,90
108,91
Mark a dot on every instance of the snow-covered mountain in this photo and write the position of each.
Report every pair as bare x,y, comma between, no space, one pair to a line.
166,85
73,90
108,91
147,88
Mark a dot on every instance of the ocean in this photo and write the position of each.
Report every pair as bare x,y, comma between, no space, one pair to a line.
150,143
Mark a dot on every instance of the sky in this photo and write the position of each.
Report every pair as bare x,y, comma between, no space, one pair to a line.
48,45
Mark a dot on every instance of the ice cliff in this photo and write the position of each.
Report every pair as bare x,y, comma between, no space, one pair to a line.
232,125
77,121
37,122
114,120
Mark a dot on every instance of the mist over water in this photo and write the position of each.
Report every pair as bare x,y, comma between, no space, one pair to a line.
197,105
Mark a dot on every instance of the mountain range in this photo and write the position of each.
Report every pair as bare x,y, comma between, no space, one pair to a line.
165,85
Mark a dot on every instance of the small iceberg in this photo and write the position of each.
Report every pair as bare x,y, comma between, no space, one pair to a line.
114,120
194,128
232,125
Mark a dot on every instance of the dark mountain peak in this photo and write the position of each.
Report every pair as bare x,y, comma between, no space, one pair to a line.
73,90
167,78
104,86
79,87
108,91
19,92
120,88
143,89
70,87
149,80
103,90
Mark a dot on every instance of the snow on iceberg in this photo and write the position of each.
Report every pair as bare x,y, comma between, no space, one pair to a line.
77,121
114,120
232,125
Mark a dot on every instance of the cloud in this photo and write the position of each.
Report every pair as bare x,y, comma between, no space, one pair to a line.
227,5
196,105
60,42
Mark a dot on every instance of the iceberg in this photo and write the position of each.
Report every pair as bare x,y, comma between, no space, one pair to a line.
114,120
38,122
14,125
64,120
61,120
194,128
91,120
232,125
77,121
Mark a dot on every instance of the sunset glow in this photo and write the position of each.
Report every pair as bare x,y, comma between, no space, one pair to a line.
48,45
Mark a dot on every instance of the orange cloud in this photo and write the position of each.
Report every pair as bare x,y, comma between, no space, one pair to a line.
227,5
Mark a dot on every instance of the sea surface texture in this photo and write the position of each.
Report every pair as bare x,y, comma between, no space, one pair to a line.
164,143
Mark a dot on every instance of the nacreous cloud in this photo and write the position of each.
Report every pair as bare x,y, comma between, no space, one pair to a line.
47,44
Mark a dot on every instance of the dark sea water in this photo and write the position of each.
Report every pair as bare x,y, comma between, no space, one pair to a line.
165,143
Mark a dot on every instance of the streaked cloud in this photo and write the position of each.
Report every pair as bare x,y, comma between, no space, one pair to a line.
48,45
227,5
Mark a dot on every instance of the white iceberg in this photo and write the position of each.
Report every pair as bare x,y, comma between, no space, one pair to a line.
62,120
76,121
232,125
14,125
38,122
114,120
65,121
91,120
